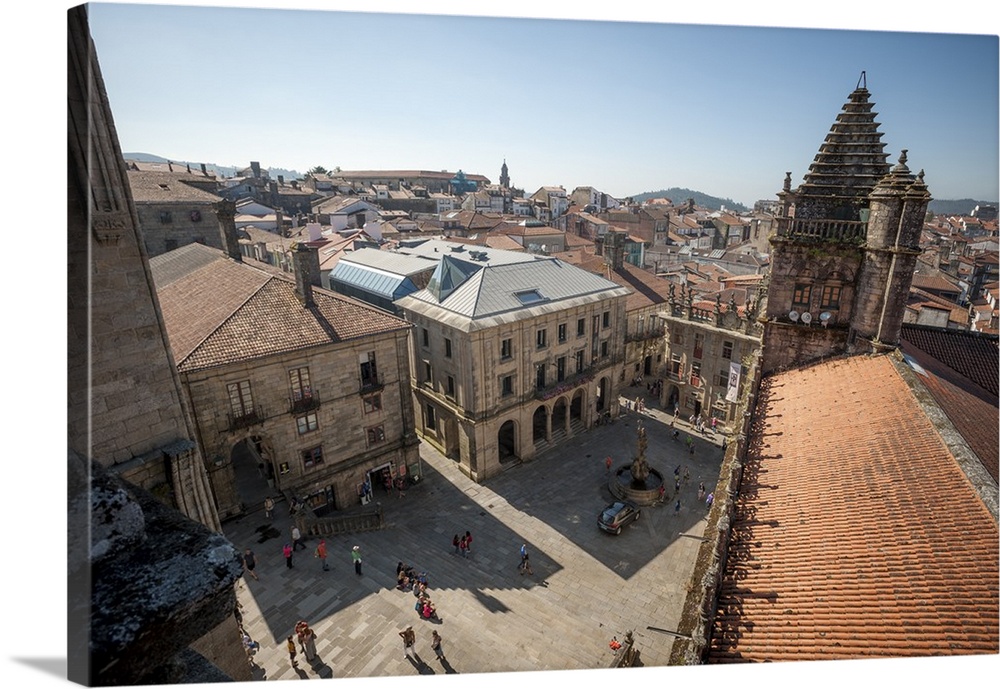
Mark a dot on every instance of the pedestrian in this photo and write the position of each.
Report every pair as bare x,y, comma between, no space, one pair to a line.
455,542
715,421
321,554
291,650
662,492
250,563
709,500
297,539
409,639
687,475
287,550
701,491
463,546
269,507
356,558
607,465
308,640
691,419
677,485
468,543
525,565
677,507
436,645
637,403
677,471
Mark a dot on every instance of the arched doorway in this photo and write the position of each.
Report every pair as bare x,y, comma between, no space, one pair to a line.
576,407
253,473
539,421
673,399
507,442
647,365
560,422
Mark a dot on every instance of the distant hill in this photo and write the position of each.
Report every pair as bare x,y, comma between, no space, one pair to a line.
957,206
679,196
217,170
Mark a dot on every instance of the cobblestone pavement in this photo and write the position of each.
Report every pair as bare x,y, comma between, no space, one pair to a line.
587,585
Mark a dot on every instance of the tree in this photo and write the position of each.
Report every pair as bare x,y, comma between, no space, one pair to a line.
318,170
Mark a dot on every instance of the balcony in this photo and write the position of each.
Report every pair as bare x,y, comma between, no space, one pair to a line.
653,334
303,402
563,386
370,384
250,417
849,231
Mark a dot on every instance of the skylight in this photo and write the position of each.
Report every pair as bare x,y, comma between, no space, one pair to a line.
531,296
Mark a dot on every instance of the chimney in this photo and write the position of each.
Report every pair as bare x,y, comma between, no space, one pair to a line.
305,261
225,211
204,170
255,167
281,180
279,220
315,231
273,186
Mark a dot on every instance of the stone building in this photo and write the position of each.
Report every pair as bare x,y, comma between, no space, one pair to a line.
845,245
173,212
511,354
289,383
147,582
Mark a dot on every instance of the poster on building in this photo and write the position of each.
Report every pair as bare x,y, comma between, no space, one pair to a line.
733,390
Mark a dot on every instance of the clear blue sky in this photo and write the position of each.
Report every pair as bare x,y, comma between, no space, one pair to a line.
624,106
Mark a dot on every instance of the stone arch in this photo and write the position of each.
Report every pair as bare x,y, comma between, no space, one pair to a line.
539,424
577,405
507,441
603,404
560,415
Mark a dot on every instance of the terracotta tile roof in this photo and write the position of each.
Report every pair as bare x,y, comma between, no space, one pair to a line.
160,187
220,311
973,356
856,533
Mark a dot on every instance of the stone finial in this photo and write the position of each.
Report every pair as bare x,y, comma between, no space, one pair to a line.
788,182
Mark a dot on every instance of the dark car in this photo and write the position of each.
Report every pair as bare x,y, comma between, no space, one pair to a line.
617,515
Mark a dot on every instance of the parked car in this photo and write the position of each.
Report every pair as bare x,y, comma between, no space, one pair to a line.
617,515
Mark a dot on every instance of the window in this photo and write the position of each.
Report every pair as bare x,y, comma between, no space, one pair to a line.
447,347
373,403
727,350
240,399
581,327
800,297
675,366
539,376
604,349
677,338
699,345
561,369
723,379
307,423
312,456
579,361
430,418
451,386
426,337
830,298
507,386
540,338
606,319
427,372
506,349
696,373
376,434
369,372
298,379
562,332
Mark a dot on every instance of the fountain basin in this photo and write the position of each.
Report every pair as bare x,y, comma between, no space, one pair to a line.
643,493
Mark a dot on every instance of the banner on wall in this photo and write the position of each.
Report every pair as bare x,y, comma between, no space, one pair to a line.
733,390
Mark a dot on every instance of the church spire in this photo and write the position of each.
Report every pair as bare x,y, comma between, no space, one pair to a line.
504,177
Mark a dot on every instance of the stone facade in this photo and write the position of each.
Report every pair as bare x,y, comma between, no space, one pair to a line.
340,415
172,213
490,396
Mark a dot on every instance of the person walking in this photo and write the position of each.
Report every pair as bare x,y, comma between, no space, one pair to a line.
436,645
321,554
287,550
250,563
297,539
409,639
525,566
709,500
356,559
468,543
607,465
291,651
269,507
455,542
677,507
462,546
307,638
701,491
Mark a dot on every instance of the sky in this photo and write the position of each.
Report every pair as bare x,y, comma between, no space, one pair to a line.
623,106
539,104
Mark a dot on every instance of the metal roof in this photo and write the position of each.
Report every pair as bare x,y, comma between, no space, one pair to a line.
371,280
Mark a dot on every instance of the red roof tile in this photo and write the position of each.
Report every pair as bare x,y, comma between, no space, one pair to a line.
856,534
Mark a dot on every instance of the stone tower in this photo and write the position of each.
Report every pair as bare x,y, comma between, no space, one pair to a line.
843,251
504,177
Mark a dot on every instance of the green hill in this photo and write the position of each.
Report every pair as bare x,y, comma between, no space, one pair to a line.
679,196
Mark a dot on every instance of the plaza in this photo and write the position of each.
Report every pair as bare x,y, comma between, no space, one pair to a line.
587,587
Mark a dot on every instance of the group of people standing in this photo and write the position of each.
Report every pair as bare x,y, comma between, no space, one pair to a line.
462,544
306,638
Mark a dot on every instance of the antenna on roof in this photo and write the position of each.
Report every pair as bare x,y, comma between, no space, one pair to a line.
862,81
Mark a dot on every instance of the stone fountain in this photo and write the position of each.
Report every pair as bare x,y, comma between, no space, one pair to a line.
637,481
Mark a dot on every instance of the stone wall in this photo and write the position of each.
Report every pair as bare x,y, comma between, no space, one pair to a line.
160,237
787,345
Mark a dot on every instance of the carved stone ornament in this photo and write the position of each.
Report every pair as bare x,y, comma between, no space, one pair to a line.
109,226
